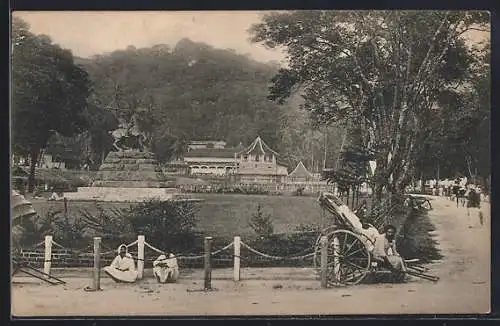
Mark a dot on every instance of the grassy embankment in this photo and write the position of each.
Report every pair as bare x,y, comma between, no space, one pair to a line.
223,216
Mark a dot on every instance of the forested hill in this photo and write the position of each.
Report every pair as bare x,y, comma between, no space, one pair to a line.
195,91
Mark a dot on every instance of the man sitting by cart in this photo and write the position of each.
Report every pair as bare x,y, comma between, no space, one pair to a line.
385,253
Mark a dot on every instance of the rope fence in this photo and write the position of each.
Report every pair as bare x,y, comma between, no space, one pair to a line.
255,251
92,255
61,250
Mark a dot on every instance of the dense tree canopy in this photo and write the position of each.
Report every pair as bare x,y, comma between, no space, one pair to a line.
194,92
49,93
384,72
459,143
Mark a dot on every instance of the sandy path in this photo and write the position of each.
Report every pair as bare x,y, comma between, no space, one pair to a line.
464,286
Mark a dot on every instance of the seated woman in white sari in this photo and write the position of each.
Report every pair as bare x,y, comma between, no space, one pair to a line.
122,269
166,269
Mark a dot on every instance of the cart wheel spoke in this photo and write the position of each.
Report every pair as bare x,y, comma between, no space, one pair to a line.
352,245
356,247
332,252
353,265
351,275
362,250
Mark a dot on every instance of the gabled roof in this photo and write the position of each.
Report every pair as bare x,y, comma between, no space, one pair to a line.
300,171
258,146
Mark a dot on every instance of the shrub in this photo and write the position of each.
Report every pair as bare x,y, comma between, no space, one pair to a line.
168,225
414,225
31,230
109,224
261,223
70,231
67,230
416,242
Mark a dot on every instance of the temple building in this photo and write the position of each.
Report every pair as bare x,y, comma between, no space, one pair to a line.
256,163
210,158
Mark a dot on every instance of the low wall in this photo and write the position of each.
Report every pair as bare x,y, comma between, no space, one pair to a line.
121,194
308,188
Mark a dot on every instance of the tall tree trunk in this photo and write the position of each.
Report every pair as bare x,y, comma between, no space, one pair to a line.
325,149
378,190
33,160
422,182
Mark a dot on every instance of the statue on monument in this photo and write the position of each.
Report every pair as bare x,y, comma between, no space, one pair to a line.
129,136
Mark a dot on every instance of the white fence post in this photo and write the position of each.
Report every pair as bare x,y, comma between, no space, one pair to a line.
236,269
48,254
140,256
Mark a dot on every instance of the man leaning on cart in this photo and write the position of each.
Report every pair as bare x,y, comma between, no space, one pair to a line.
385,253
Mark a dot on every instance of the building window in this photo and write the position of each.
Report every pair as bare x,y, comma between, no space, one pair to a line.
245,157
257,158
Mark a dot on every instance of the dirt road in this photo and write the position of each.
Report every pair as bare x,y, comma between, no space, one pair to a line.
464,286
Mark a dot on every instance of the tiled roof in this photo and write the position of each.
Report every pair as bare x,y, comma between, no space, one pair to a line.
212,152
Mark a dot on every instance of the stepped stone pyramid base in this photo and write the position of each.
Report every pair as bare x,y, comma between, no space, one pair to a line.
128,176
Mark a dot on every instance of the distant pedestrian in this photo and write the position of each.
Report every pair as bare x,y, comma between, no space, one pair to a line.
462,195
455,189
474,206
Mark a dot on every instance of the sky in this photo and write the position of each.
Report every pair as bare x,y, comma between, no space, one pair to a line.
89,33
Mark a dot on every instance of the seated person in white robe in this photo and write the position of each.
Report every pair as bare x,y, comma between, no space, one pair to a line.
122,269
385,252
166,269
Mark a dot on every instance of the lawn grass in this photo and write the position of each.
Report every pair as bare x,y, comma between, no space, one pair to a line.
226,214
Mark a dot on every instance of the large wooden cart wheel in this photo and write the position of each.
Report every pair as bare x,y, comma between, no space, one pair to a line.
348,258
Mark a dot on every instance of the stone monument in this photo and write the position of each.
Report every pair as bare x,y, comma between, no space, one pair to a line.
129,174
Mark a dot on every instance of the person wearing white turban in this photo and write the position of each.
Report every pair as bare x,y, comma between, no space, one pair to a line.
122,269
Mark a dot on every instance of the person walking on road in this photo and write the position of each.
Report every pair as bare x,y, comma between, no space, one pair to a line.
474,206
